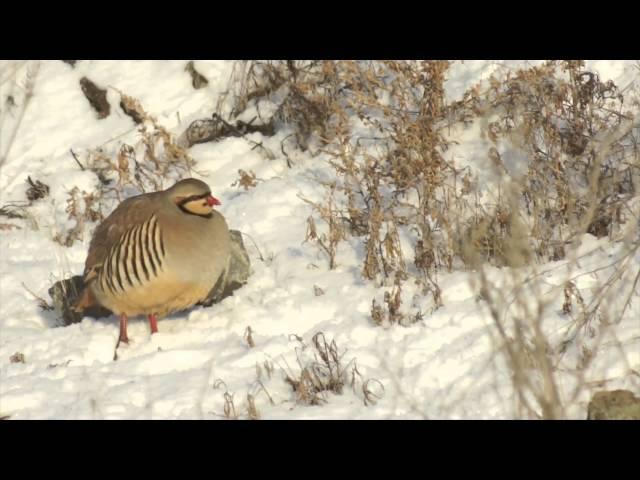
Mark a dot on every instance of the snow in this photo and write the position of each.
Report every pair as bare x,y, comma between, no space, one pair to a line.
445,366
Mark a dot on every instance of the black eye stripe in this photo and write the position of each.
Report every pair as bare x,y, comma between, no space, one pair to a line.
194,197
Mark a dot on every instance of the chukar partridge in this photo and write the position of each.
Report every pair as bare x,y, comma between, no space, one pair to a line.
156,254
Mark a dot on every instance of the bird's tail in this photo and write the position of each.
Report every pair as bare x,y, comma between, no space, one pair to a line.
86,300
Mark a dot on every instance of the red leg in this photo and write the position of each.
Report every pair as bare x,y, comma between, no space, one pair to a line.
123,329
153,321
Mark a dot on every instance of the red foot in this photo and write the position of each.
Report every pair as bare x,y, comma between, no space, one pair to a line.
123,329
153,322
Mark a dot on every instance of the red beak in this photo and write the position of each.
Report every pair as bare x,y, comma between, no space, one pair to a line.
211,201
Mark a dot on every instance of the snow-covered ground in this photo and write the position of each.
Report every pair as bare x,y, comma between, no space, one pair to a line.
444,366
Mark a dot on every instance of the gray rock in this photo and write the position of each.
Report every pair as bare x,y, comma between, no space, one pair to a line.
236,273
65,293
614,405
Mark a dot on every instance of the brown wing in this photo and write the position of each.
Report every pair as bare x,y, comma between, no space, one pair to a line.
131,212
